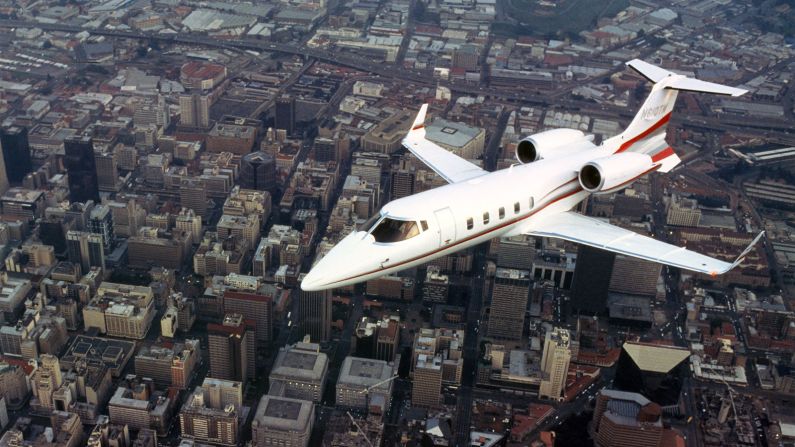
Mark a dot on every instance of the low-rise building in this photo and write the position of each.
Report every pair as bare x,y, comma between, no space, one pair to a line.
301,370
364,382
282,421
121,310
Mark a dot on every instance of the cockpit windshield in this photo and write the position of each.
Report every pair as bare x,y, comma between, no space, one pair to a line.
393,230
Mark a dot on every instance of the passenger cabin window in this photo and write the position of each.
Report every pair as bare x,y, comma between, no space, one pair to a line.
531,203
424,225
485,218
470,224
502,212
516,208
393,230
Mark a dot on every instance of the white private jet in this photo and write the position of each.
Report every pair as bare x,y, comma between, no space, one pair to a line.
559,168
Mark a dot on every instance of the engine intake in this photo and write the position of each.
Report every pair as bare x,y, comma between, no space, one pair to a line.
549,144
608,174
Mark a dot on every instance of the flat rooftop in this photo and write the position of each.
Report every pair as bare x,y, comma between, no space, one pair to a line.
363,372
299,360
283,414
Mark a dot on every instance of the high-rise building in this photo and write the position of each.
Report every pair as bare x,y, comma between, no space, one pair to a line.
313,315
86,249
107,170
256,307
402,183
232,347
194,110
285,114
301,370
14,384
508,303
282,421
387,338
3,414
140,407
101,222
151,110
653,370
426,385
46,380
168,366
121,310
4,185
448,345
258,171
187,220
199,421
152,248
22,204
591,283
218,393
127,216
622,419
16,153
682,212
241,227
82,169
555,364
193,195
634,276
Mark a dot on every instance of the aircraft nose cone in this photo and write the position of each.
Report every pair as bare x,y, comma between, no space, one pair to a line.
312,282
333,267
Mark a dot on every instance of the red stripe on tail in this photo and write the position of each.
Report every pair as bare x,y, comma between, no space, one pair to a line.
626,145
663,154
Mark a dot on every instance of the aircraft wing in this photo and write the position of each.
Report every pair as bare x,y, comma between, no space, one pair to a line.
585,230
448,165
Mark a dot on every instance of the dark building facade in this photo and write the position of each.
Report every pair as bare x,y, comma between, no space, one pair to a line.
285,114
258,171
82,170
232,348
314,315
16,152
51,232
655,371
591,280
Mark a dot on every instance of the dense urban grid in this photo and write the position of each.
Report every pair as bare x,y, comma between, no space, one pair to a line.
172,168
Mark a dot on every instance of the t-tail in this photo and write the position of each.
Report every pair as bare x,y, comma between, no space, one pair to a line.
646,132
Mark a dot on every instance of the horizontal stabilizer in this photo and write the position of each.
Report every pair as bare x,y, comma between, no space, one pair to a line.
651,72
696,85
656,74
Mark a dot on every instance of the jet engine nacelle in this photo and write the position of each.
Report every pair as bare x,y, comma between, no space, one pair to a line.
608,174
549,144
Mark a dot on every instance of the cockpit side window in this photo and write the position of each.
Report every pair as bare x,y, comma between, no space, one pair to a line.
369,223
393,230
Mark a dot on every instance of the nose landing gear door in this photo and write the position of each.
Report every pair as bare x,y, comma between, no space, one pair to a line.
446,223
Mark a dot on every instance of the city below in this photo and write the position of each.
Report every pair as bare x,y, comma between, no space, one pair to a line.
171,170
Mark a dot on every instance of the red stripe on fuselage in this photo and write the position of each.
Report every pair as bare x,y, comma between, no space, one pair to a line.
474,236
626,145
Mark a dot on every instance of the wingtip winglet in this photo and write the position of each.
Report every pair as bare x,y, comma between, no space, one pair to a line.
419,120
747,250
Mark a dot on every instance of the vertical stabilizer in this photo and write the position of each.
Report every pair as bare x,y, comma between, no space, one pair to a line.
646,132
